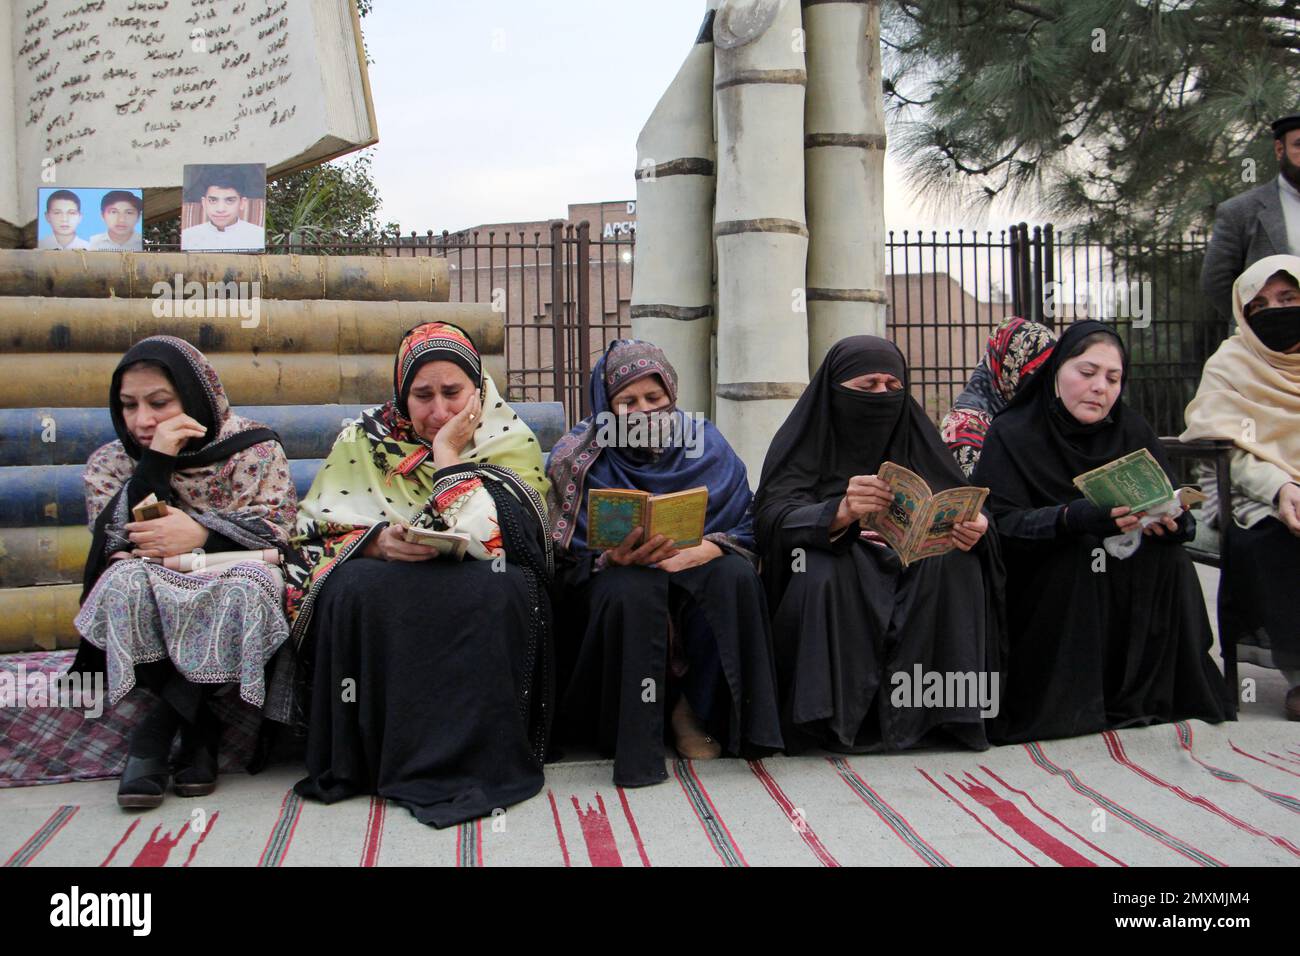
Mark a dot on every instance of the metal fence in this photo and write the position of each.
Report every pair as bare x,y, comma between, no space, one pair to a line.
564,295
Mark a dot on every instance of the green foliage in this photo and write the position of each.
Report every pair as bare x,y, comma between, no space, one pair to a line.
1134,117
334,203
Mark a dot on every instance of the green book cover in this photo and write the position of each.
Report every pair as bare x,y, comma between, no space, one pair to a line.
1135,480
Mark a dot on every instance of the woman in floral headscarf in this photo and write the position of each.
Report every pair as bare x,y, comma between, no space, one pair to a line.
150,612
1016,350
653,630
433,676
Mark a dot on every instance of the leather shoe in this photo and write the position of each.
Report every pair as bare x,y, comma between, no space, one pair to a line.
143,783
692,740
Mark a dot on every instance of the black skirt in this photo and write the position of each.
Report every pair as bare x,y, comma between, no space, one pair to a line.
1256,596
616,647
1093,649
423,676
853,620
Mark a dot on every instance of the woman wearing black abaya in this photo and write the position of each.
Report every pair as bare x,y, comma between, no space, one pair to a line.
431,675
851,624
652,631
1095,642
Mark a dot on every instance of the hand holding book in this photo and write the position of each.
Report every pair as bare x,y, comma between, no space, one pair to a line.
1128,488
630,551
920,524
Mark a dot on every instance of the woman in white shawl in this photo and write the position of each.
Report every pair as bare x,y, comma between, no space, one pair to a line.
1250,395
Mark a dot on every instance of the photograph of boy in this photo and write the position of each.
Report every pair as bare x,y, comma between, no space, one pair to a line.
226,206
122,211
63,215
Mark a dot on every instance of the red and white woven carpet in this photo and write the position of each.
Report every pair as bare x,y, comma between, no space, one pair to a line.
1183,795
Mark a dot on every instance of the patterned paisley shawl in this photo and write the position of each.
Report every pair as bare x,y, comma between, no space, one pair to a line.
236,483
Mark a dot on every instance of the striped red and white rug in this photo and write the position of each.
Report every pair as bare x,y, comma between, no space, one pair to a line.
1182,795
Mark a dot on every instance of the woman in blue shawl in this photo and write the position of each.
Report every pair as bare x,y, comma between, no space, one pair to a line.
652,629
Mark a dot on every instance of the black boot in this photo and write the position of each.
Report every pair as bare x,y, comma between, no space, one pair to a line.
144,779
196,764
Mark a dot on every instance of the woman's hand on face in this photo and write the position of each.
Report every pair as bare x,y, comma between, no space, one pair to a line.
170,435
659,548
391,545
174,533
1288,507
456,434
865,495
967,534
702,553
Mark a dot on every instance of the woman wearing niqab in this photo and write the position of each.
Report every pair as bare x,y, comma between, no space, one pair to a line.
852,625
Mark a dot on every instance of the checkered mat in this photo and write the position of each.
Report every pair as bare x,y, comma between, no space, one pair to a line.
44,744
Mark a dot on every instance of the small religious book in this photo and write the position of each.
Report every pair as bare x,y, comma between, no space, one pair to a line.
1135,481
448,544
612,513
149,508
918,523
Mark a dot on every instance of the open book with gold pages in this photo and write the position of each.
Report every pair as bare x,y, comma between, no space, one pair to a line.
612,513
918,523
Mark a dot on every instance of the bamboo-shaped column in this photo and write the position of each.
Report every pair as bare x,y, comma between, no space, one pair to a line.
672,294
844,145
759,229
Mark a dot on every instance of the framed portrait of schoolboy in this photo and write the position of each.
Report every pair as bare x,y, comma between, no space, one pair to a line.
223,207
92,219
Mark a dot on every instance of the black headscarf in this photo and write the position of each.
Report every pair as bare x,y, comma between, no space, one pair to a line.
835,433
1048,446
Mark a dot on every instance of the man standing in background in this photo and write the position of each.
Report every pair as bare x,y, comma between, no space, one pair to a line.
1262,222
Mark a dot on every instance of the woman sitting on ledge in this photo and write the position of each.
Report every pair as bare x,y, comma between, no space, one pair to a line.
1250,394
226,483
652,629
853,626
433,676
1095,641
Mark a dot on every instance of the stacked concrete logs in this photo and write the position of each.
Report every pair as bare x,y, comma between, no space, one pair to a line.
798,205
672,297
314,337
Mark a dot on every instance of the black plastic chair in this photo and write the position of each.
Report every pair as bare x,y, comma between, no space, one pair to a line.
1217,451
